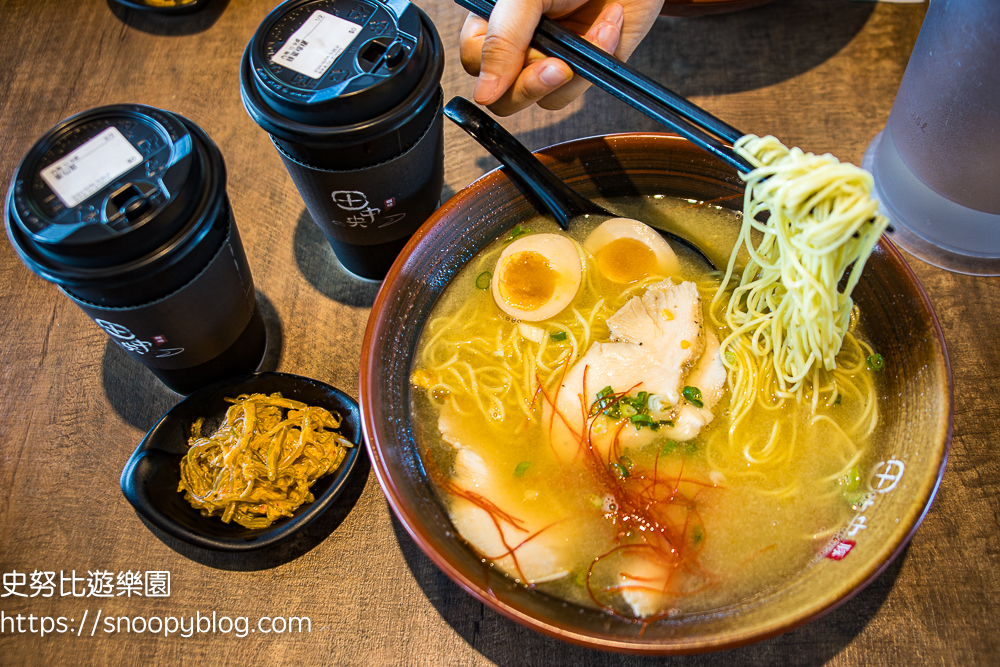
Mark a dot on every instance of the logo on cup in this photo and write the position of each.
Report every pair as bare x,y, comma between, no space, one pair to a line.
350,200
362,213
115,330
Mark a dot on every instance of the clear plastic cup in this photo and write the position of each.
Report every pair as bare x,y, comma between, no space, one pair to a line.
937,162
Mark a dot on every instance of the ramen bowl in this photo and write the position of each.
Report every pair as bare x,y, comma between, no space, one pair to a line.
705,7
910,448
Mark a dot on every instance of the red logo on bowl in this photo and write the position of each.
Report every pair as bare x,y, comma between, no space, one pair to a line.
840,549
159,340
390,202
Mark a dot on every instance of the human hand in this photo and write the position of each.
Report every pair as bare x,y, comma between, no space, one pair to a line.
513,76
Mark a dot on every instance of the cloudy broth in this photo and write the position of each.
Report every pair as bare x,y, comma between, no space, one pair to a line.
717,527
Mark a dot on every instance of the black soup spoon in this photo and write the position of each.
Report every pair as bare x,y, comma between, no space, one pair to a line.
559,199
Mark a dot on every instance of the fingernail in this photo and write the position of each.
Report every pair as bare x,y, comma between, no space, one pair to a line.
553,76
486,88
607,38
615,14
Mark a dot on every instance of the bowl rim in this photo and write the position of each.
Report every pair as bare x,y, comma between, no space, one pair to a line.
263,537
138,5
693,8
552,155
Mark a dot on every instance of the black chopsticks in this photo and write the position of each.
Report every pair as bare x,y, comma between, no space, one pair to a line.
630,86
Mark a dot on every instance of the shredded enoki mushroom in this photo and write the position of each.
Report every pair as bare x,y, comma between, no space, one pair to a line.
261,462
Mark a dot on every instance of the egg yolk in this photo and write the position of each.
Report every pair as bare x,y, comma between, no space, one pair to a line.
626,260
528,280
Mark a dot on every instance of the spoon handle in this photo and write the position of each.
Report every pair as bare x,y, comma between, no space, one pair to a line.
557,197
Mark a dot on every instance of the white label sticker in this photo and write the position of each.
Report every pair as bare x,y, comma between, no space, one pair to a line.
91,166
316,44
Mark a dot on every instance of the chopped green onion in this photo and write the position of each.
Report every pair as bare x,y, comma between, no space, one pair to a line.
875,362
483,280
637,402
697,534
634,408
522,468
852,480
621,470
856,500
607,403
559,335
641,420
668,447
693,396
730,356
838,400
625,461
517,232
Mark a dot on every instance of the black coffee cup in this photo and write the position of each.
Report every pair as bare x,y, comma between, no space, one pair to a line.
125,208
349,91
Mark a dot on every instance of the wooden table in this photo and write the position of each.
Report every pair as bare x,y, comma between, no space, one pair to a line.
820,74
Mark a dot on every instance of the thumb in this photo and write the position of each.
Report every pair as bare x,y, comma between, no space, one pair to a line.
505,44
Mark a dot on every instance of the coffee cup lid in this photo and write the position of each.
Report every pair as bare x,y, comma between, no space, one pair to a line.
100,175
338,62
113,191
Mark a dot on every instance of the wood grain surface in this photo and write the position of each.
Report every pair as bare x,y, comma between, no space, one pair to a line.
821,74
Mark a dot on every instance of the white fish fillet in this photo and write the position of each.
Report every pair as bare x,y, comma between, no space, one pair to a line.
709,376
642,583
660,347
540,558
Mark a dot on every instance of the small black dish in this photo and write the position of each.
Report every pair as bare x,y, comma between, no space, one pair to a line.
143,5
151,475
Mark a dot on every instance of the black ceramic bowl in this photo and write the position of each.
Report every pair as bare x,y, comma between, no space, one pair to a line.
152,473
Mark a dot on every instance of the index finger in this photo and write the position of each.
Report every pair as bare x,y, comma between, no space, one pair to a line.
508,34
471,43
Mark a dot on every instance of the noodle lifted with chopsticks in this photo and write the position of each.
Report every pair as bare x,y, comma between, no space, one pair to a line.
787,310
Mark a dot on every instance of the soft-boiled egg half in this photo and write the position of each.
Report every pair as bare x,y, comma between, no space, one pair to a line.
537,276
627,250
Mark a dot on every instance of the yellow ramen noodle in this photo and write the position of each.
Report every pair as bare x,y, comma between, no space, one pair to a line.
565,462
